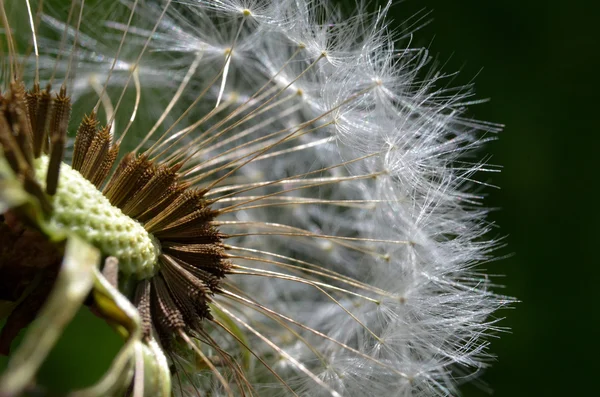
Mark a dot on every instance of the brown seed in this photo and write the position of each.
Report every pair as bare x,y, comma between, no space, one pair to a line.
40,134
85,134
106,166
130,177
142,302
58,136
164,176
165,313
96,154
188,202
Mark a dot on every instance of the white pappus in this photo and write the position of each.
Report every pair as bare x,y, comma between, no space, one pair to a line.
340,166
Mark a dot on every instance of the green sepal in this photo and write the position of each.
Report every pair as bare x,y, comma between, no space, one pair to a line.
157,375
74,282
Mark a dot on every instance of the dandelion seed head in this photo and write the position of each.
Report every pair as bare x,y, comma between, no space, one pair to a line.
303,181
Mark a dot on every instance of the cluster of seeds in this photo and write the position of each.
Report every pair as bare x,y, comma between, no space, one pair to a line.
297,193
152,222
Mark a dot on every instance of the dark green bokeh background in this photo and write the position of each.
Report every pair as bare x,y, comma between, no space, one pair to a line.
537,61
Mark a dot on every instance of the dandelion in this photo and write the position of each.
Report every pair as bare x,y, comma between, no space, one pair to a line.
277,197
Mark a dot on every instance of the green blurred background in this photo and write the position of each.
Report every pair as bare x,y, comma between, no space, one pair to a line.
538,62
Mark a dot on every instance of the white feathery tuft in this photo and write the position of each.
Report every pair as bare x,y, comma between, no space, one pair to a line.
393,221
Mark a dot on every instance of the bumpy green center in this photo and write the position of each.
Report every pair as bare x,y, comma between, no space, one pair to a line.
80,208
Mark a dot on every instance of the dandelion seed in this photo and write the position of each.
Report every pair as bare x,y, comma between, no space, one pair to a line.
287,209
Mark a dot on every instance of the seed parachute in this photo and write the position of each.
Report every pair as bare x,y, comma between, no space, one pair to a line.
260,198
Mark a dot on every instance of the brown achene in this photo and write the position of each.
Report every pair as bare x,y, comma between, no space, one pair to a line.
193,260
